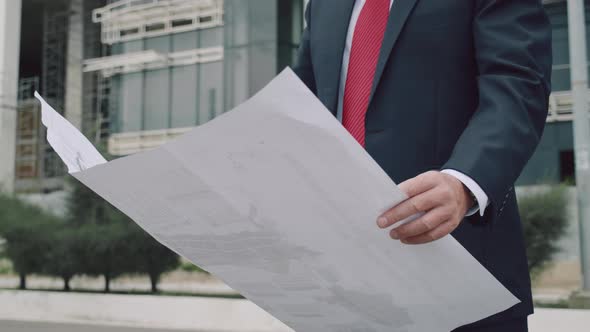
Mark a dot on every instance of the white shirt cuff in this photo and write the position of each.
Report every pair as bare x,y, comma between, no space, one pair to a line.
480,195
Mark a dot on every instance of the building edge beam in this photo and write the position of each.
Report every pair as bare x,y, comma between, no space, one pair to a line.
10,25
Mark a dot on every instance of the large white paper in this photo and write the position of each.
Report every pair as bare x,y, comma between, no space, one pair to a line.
279,201
73,148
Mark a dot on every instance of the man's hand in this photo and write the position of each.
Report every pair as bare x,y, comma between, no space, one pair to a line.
442,198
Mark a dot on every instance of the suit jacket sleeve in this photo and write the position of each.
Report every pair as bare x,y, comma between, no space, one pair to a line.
512,41
303,66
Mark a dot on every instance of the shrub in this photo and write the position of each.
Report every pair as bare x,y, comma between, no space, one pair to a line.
544,218
25,229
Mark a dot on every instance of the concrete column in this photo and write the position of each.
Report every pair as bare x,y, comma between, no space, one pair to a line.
579,65
75,56
10,22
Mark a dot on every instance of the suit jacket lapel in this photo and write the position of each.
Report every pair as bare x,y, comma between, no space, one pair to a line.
333,34
400,11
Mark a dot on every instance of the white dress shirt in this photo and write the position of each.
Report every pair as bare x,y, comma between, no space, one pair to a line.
480,195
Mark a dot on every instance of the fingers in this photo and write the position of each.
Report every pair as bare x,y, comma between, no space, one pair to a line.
422,225
434,200
438,233
414,205
420,183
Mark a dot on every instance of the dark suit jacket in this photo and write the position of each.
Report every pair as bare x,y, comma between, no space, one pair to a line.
465,85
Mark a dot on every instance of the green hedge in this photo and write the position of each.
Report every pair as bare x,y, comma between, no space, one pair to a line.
94,239
545,220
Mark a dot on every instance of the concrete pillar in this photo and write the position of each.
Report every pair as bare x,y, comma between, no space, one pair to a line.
75,56
10,22
579,65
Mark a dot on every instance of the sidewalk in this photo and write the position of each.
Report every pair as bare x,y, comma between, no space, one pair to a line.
195,313
141,311
559,320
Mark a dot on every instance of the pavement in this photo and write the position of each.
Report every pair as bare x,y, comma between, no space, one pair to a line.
546,320
32,311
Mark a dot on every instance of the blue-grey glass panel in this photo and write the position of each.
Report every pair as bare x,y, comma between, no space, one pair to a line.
211,77
160,44
544,165
236,29
185,41
131,102
116,49
236,85
131,46
211,37
561,80
263,20
184,96
561,54
157,87
263,64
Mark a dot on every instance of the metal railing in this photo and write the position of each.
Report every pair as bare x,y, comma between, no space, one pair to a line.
135,19
151,60
123,144
561,106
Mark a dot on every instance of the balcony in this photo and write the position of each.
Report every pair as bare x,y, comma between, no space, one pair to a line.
123,144
561,106
151,60
127,20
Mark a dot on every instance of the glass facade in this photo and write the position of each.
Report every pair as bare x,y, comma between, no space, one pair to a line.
561,68
259,38
172,96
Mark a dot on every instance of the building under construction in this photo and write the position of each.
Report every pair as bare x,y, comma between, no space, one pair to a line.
132,74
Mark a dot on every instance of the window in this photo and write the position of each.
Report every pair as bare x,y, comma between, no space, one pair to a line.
179,23
206,19
155,27
567,168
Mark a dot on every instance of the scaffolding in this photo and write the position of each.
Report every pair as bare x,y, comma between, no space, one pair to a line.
28,135
55,33
126,20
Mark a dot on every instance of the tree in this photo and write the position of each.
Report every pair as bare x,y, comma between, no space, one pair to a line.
25,228
107,252
115,245
101,234
64,258
152,258
544,218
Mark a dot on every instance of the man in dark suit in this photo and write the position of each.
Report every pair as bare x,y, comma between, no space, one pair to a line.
451,97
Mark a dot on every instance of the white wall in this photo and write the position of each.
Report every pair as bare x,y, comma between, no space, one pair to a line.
10,15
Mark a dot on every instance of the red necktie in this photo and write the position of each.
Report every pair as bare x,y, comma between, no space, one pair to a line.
364,54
